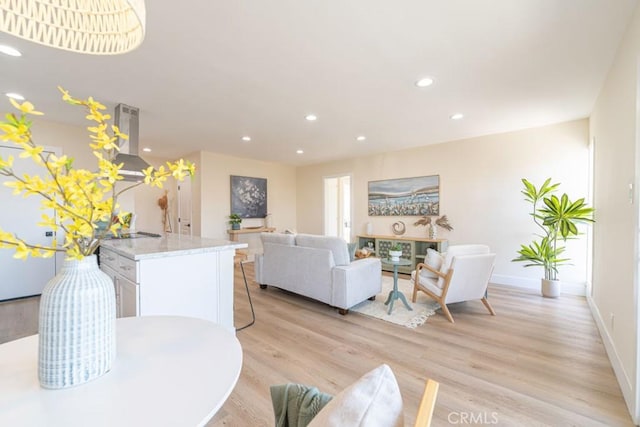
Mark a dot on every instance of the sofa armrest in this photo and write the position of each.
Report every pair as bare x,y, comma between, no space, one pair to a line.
356,282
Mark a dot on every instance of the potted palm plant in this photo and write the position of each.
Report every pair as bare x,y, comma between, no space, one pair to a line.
558,219
235,220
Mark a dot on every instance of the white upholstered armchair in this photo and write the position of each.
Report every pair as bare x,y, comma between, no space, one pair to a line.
461,274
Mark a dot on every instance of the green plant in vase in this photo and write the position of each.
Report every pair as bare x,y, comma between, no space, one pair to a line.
235,220
78,305
557,218
395,251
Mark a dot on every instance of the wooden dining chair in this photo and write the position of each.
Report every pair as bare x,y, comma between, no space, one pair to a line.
427,404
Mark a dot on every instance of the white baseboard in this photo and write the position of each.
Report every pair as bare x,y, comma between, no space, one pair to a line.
618,369
569,288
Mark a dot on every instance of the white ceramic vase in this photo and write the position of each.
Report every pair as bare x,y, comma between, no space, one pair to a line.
551,288
433,232
77,325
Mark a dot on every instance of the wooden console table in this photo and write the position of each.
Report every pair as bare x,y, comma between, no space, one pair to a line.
234,233
413,248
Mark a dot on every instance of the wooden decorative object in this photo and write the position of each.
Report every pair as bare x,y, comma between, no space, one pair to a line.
398,228
362,253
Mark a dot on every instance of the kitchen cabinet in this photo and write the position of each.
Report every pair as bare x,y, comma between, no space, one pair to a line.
127,294
172,275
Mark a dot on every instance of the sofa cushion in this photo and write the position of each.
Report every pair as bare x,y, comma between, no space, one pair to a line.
336,245
278,238
429,283
373,401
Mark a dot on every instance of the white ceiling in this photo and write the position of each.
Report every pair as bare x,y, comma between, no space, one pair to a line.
210,72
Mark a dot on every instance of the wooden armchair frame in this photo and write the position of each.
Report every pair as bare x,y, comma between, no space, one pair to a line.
427,404
440,299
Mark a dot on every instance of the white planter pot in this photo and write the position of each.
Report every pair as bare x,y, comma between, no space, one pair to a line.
395,255
551,288
77,325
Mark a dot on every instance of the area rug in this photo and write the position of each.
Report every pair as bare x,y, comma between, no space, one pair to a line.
422,308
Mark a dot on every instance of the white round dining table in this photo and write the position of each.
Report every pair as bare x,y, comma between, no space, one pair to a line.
169,371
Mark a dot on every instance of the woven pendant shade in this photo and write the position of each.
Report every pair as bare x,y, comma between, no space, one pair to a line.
99,27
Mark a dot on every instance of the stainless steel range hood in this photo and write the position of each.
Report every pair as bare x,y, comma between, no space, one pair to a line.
127,119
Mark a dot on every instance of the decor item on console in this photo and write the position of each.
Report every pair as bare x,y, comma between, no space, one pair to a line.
558,219
443,222
235,220
163,202
395,251
317,267
405,196
77,308
398,228
249,196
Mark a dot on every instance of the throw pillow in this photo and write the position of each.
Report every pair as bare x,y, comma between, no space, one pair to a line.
434,260
351,247
372,401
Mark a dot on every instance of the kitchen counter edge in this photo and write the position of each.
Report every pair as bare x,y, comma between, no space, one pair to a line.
166,246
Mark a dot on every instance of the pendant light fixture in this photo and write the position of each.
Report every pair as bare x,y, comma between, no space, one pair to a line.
98,27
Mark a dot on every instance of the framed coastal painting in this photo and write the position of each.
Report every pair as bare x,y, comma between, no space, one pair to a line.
249,196
405,196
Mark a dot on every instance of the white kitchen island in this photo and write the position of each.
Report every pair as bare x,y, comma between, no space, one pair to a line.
172,275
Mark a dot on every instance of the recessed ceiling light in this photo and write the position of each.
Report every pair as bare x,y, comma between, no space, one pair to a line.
424,82
8,50
456,116
311,117
299,152
146,149
361,138
246,138
15,96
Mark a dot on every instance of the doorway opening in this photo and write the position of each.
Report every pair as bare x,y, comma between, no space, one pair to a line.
337,206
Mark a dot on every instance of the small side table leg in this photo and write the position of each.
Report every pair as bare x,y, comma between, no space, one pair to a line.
404,300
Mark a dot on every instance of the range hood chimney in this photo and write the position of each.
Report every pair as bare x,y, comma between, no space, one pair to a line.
127,119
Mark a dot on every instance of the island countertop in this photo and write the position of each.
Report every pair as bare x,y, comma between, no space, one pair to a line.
168,245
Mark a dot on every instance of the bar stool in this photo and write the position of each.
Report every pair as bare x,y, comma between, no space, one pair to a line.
239,259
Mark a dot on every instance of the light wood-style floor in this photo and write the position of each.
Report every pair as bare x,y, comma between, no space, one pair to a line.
538,362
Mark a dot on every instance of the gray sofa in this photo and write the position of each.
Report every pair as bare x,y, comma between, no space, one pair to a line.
317,267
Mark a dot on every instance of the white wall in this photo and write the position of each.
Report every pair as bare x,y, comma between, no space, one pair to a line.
74,142
479,190
614,125
212,189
